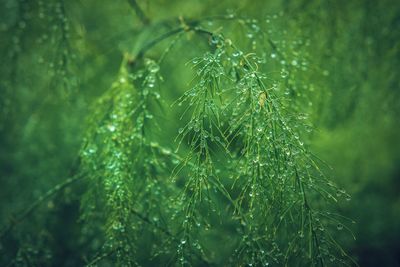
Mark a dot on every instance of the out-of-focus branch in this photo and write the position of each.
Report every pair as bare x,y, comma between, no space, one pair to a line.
16,220
139,12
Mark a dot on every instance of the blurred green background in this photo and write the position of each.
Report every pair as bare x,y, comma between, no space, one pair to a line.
57,59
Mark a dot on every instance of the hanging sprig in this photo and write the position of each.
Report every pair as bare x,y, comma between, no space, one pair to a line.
276,175
232,110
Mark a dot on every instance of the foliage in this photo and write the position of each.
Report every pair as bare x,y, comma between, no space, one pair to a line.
201,151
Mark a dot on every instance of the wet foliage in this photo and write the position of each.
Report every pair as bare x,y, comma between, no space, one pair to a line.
154,133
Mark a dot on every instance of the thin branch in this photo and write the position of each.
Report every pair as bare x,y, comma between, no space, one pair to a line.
185,28
99,258
16,220
139,12
205,262
148,221
155,41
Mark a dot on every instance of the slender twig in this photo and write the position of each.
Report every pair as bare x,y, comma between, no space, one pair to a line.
16,220
148,221
153,42
99,258
187,27
139,12
145,219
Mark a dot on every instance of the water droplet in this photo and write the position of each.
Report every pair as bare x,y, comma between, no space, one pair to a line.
250,35
153,68
111,127
255,27
237,53
301,234
284,73
230,13
214,40
166,151
153,144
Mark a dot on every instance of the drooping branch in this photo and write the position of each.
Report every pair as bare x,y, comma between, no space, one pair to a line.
185,28
53,191
100,256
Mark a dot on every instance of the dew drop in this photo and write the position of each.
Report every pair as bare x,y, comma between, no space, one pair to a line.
284,73
237,53
214,40
153,68
111,127
250,35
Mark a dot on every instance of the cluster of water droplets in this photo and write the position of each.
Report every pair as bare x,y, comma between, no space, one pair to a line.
58,57
234,109
33,253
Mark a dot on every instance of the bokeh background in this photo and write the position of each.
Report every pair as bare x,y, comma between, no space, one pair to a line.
57,59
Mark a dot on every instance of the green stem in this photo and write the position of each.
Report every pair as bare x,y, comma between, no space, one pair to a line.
139,12
17,220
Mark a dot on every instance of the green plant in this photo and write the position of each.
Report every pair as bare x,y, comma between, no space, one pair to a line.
238,171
